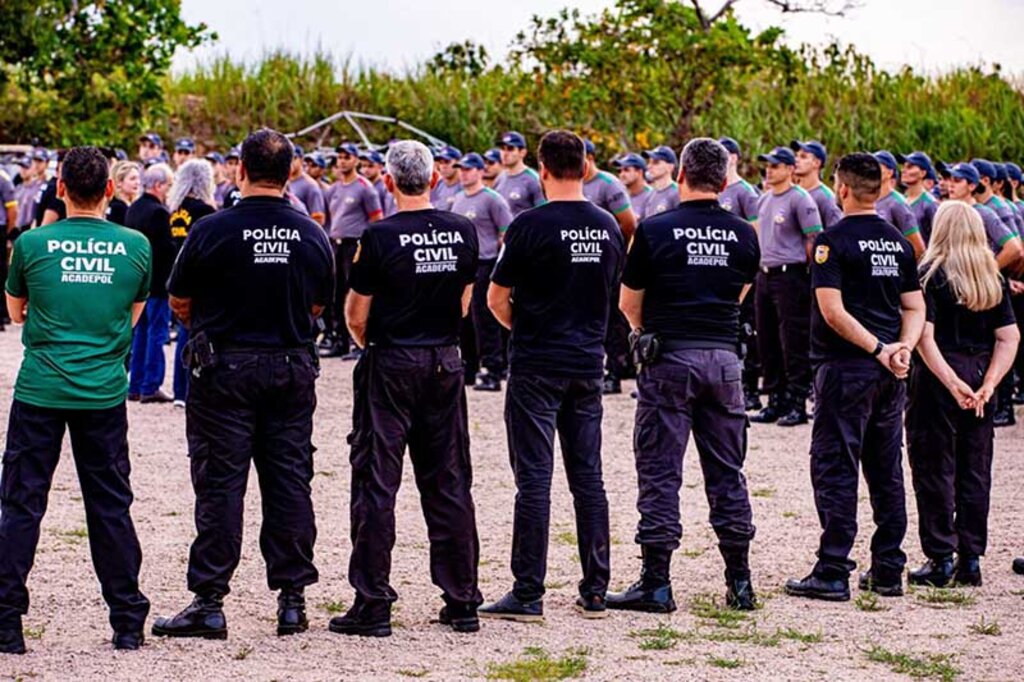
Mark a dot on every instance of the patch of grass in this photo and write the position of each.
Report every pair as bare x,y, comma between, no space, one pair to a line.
34,633
556,585
658,639
693,553
749,635
566,537
983,627
413,673
727,663
930,666
942,598
691,486
680,661
789,515
243,653
707,607
171,513
333,607
325,474
763,492
537,665
797,636
869,601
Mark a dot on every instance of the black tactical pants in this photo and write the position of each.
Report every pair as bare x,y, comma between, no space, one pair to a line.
334,314
783,308
490,345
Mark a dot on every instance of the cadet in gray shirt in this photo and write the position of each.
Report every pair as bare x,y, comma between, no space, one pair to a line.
810,159
306,189
917,167
520,184
787,220
740,199
443,195
490,214
892,206
963,183
632,169
661,168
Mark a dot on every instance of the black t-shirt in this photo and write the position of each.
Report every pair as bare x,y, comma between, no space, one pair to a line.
416,265
182,220
232,196
561,261
871,264
117,209
254,273
148,215
48,200
692,263
958,329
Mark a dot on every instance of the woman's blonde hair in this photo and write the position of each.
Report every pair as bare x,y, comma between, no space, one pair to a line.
120,171
959,247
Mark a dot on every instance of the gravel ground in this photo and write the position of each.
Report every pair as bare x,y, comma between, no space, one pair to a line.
787,639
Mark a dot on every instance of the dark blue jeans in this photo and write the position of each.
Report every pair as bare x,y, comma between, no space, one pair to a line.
535,407
151,333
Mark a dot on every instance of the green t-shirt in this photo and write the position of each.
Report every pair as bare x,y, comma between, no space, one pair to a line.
81,277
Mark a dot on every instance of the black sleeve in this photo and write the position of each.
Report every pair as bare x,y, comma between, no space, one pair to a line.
931,303
514,256
826,272
909,281
183,280
637,272
324,290
469,233
751,267
1002,315
365,277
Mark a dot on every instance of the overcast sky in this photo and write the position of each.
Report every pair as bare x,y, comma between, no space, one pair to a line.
927,34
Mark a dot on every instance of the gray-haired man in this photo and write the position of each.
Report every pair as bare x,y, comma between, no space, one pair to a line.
686,273
412,279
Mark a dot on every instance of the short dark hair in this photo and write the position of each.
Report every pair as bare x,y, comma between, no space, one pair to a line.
862,173
267,157
562,154
705,164
85,173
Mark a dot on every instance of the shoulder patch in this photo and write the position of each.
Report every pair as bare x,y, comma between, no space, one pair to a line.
821,254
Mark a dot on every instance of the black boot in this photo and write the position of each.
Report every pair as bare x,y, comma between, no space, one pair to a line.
12,641
291,612
967,570
796,414
770,414
204,617
128,641
365,618
880,584
751,400
461,617
739,593
813,587
652,593
934,573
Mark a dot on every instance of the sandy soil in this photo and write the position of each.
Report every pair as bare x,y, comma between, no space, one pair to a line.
68,632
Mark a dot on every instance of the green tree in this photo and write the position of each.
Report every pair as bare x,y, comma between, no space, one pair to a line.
96,66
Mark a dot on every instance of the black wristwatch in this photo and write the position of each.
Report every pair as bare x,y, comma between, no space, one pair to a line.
878,350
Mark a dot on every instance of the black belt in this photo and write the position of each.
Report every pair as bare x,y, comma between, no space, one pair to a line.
777,269
267,350
691,344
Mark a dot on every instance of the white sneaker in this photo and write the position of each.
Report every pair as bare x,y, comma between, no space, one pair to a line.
179,403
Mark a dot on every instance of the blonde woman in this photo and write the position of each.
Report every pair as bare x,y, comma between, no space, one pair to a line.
127,181
969,343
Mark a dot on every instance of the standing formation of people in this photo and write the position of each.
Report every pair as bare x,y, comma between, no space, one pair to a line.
886,312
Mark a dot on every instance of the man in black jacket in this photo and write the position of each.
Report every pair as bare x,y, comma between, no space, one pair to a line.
149,216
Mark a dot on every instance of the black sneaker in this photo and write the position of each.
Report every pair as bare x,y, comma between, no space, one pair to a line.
128,641
485,381
511,608
336,350
740,596
365,619
813,587
460,617
967,571
1004,417
883,588
752,402
592,606
1018,398
611,386
795,417
12,641
204,618
643,598
768,415
157,396
934,573
1018,565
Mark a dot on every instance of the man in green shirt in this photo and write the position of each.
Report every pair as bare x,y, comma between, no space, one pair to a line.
78,286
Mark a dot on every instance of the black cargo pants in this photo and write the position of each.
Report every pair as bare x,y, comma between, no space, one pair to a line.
783,309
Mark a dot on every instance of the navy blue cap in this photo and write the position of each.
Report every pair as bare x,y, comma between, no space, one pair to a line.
233,153
347,148
471,160
120,154
373,157
782,155
316,159
298,151
966,172
215,157
985,168
24,161
492,155
731,145
185,144
1000,171
514,139
40,155
630,160
886,158
1014,172
919,159
662,153
152,137
811,147
447,153
588,147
